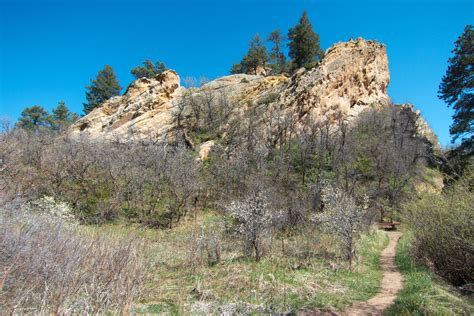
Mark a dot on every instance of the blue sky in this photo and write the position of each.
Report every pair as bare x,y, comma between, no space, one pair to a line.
49,50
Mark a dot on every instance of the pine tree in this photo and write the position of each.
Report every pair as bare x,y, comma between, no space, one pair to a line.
304,43
277,58
457,86
62,117
33,118
102,88
148,70
256,57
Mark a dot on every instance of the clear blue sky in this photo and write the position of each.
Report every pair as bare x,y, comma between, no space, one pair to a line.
49,50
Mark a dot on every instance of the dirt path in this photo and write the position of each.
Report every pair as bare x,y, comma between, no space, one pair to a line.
392,283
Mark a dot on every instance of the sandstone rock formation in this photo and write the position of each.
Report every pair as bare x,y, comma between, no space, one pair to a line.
351,77
143,110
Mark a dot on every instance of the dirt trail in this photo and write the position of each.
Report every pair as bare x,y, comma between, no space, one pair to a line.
392,283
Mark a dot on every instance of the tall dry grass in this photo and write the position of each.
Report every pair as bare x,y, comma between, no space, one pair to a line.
48,266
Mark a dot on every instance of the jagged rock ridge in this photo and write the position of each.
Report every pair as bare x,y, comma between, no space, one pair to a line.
351,77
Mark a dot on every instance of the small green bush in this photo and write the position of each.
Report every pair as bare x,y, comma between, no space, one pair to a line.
202,135
312,65
269,98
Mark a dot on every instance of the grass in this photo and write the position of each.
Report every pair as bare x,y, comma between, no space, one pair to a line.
202,135
425,293
281,282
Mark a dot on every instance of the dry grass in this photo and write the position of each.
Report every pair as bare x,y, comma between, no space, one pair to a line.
52,267
304,274
301,273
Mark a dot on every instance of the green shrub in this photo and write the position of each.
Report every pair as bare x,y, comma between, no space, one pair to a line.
202,135
443,232
312,65
424,293
269,98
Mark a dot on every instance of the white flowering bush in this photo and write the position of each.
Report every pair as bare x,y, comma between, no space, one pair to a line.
342,217
252,222
47,205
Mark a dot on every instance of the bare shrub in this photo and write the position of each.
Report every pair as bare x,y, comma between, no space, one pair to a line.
48,266
181,184
205,244
203,112
343,217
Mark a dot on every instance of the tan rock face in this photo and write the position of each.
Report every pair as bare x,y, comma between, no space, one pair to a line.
352,77
144,110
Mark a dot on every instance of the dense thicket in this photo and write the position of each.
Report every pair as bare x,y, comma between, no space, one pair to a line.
102,181
378,155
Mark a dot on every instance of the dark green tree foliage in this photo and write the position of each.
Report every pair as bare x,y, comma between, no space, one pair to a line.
457,88
256,57
277,57
33,118
148,70
36,117
304,44
62,117
102,88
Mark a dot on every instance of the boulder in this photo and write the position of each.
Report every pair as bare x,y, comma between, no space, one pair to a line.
205,149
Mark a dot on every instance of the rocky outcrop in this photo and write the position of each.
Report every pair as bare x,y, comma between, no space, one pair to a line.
351,77
423,128
144,110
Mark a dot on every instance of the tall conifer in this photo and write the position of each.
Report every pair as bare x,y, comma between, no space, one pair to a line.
102,88
304,43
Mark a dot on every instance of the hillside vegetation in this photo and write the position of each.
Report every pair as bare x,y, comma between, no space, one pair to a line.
258,226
